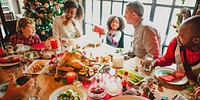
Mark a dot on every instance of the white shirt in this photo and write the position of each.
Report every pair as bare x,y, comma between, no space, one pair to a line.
66,31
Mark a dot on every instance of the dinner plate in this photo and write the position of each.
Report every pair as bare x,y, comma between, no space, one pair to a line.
9,64
128,98
158,72
81,91
35,64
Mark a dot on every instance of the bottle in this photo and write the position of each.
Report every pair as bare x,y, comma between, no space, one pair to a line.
125,81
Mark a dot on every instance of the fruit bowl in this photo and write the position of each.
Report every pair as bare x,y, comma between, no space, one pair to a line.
96,92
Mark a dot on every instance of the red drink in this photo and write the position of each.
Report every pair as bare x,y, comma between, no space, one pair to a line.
54,43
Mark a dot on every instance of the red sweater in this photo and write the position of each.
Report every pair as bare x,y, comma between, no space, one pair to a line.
169,58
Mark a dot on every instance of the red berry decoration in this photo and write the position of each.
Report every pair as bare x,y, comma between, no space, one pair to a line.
97,90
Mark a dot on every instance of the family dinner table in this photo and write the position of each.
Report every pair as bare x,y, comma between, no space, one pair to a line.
48,84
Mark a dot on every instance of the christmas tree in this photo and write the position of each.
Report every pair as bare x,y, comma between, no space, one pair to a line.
43,12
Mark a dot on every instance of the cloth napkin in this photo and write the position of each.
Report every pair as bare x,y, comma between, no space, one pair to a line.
173,76
38,46
1,52
98,30
9,60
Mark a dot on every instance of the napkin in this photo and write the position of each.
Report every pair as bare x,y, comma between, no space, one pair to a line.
98,30
9,60
173,76
1,52
38,46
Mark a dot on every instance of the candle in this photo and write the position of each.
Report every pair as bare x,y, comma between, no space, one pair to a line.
54,43
70,77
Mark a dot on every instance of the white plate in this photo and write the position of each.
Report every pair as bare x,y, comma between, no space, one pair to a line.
158,72
128,98
26,48
81,91
46,62
9,64
1,86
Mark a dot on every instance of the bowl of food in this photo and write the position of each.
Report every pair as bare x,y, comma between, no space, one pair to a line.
96,92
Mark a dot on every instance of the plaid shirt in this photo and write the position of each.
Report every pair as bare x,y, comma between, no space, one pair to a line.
20,39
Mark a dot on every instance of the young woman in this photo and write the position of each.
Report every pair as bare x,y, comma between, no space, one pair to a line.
68,25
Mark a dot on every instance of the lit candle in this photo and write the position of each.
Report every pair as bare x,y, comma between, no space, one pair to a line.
70,77
54,43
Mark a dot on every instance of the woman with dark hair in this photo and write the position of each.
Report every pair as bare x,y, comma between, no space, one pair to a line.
68,25
115,26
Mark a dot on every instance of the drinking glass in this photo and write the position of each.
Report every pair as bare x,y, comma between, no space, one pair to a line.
8,48
118,61
20,51
147,62
34,89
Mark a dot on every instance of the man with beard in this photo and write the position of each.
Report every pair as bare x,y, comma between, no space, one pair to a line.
184,50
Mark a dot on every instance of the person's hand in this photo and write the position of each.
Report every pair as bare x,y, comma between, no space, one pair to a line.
103,31
152,64
14,92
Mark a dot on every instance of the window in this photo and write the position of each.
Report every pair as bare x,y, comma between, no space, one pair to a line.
161,12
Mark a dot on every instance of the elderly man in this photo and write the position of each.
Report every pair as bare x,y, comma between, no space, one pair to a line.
145,38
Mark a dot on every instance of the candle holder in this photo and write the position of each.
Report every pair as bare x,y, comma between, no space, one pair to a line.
97,90
70,77
113,85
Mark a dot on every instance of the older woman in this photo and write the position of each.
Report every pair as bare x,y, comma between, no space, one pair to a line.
67,25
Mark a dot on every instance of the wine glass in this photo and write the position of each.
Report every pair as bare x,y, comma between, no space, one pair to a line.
34,88
25,78
20,51
118,62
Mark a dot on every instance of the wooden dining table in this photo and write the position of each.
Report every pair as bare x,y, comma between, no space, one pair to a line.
49,85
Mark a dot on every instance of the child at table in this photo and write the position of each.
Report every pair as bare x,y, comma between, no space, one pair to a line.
26,33
115,26
184,50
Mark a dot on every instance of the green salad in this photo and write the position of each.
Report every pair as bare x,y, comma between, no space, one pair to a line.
69,95
28,55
